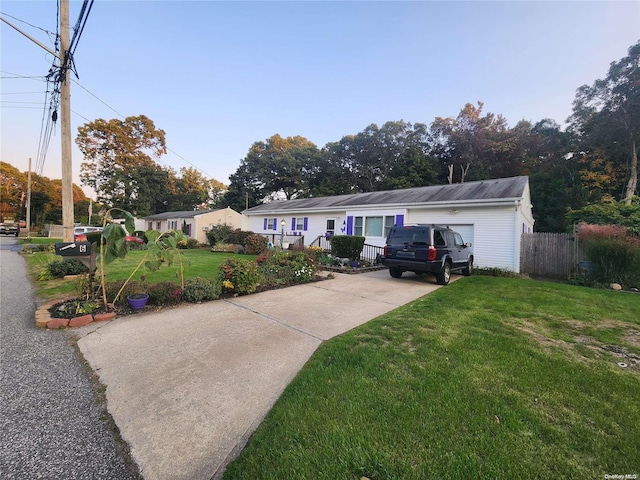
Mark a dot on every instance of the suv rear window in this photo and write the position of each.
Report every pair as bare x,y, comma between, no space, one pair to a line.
415,236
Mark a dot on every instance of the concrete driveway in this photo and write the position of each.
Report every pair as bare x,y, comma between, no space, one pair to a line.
188,386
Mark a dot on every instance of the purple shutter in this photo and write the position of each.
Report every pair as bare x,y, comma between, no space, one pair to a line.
399,220
265,224
275,224
349,225
293,223
306,223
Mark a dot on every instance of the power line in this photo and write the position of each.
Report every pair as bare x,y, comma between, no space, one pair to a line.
122,116
18,93
27,23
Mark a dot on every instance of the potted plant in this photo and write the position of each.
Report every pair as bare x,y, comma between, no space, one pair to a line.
137,301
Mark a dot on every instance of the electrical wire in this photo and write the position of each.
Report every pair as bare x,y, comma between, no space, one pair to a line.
30,24
122,117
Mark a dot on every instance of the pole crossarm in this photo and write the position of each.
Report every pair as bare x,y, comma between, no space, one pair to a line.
41,45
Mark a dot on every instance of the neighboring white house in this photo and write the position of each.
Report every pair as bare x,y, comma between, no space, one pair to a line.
490,214
197,222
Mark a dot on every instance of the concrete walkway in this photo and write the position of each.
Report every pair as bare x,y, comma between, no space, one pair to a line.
188,386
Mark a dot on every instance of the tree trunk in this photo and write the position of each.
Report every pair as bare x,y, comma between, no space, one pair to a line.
633,175
450,167
464,172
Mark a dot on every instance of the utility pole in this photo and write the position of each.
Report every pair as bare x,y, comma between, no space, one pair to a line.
65,124
28,219
65,116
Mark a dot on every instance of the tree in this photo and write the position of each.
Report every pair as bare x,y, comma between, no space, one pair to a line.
378,158
13,184
118,162
277,166
554,174
469,140
607,117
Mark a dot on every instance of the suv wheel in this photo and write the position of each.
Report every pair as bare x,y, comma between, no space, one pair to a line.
395,272
466,271
444,276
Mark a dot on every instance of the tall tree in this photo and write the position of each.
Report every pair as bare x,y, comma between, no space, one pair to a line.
13,185
607,117
468,143
378,158
118,161
277,166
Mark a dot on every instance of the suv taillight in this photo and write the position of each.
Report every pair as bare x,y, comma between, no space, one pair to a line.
431,253
385,251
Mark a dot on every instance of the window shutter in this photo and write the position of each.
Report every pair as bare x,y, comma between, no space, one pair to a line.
306,223
264,227
275,224
293,223
399,220
349,225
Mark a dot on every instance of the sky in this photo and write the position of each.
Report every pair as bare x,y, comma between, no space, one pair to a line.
220,76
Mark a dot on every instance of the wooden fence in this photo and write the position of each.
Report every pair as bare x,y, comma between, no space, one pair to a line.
552,255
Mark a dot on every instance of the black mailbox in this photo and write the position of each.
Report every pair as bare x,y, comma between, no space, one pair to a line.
73,249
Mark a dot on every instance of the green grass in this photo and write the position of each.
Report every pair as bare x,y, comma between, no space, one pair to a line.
486,378
197,263
38,240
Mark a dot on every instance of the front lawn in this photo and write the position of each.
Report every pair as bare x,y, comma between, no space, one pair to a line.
485,378
198,263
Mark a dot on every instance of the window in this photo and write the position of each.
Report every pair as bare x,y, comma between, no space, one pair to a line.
149,225
373,227
158,225
331,226
269,223
389,223
173,225
299,223
458,240
378,226
357,227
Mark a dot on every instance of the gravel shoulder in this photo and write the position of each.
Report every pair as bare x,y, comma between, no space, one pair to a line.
52,422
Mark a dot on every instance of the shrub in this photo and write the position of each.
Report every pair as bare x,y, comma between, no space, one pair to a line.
256,245
219,233
283,268
224,247
314,252
190,244
238,276
614,260
347,246
66,266
239,237
164,293
197,289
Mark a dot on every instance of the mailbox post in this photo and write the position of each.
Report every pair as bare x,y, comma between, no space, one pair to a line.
83,251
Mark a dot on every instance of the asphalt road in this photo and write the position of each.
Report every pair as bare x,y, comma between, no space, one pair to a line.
51,425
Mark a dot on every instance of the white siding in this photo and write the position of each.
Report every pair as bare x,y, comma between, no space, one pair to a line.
494,238
316,224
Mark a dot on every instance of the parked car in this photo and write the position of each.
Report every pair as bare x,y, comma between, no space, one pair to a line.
80,232
10,228
431,249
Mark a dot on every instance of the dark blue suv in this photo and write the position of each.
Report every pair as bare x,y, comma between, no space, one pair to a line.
427,249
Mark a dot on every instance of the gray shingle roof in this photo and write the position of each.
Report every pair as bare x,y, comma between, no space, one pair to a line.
485,190
172,215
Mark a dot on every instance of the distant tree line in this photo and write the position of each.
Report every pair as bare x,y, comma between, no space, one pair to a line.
593,162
